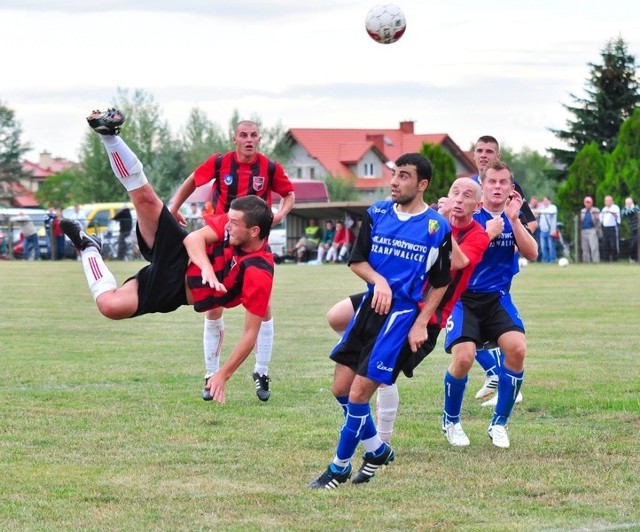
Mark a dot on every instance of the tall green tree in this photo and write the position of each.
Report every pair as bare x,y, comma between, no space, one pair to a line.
201,137
149,136
444,172
612,94
533,171
622,176
341,189
583,177
12,151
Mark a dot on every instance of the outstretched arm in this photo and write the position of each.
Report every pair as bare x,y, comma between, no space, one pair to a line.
241,351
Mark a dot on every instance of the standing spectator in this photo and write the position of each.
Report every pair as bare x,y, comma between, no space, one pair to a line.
342,243
610,219
589,222
534,204
48,230
548,229
123,217
30,234
630,213
194,218
58,235
327,240
207,210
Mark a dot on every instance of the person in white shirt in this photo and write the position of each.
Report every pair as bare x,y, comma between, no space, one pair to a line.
547,222
610,220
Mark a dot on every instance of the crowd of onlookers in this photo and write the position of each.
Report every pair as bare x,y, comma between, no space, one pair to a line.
600,236
331,245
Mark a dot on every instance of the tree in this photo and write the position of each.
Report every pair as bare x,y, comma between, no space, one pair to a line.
534,172
612,94
622,176
341,189
200,138
583,177
444,172
149,136
11,153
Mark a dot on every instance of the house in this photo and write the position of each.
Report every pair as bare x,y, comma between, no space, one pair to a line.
22,193
363,155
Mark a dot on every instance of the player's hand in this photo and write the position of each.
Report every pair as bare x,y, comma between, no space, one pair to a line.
215,385
179,218
417,336
513,206
209,277
382,297
444,206
494,227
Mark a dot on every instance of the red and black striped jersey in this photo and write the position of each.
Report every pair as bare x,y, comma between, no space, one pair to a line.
248,277
473,241
234,179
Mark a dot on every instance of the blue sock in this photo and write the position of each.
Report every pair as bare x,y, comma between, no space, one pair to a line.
487,359
453,396
343,401
357,426
509,384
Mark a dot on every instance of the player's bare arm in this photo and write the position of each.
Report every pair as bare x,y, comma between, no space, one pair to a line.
284,207
185,190
527,245
382,296
196,244
216,384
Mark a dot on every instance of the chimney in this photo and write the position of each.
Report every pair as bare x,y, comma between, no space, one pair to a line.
46,161
378,141
406,126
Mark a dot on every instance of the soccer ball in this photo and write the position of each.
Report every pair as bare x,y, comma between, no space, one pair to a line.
385,23
563,262
522,262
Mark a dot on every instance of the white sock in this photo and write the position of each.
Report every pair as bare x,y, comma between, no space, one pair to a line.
212,344
372,444
386,410
99,278
124,163
264,347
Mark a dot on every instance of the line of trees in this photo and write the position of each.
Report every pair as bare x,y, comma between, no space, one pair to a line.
602,155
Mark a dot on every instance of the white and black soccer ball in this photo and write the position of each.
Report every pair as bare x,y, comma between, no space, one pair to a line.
385,23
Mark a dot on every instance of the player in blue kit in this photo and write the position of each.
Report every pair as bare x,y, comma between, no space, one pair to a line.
485,311
402,244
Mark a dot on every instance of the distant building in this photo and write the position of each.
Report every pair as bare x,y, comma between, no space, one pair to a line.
364,155
22,193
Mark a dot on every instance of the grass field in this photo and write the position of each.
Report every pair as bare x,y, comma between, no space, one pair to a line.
102,426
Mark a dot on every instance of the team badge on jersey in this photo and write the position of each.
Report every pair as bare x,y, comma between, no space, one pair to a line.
228,179
434,226
258,182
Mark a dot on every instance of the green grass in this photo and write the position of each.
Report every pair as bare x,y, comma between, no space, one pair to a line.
102,426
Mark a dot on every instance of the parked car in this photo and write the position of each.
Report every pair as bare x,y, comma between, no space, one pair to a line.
17,238
98,216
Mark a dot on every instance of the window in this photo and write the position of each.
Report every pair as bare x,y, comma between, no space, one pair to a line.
368,170
312,173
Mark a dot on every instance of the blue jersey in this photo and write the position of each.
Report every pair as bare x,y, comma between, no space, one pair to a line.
407,262
496,269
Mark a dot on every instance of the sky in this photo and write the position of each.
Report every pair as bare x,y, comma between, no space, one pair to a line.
463,67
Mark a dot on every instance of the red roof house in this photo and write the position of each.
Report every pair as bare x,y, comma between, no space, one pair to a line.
364,155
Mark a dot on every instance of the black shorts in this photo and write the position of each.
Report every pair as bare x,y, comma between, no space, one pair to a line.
161,284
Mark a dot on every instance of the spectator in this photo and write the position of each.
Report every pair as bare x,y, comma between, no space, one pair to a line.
342,243
326,241
309,242
123,217
630,213
208,209
589,223
48,230
30,234
548,220
58,235
194,218
610,219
